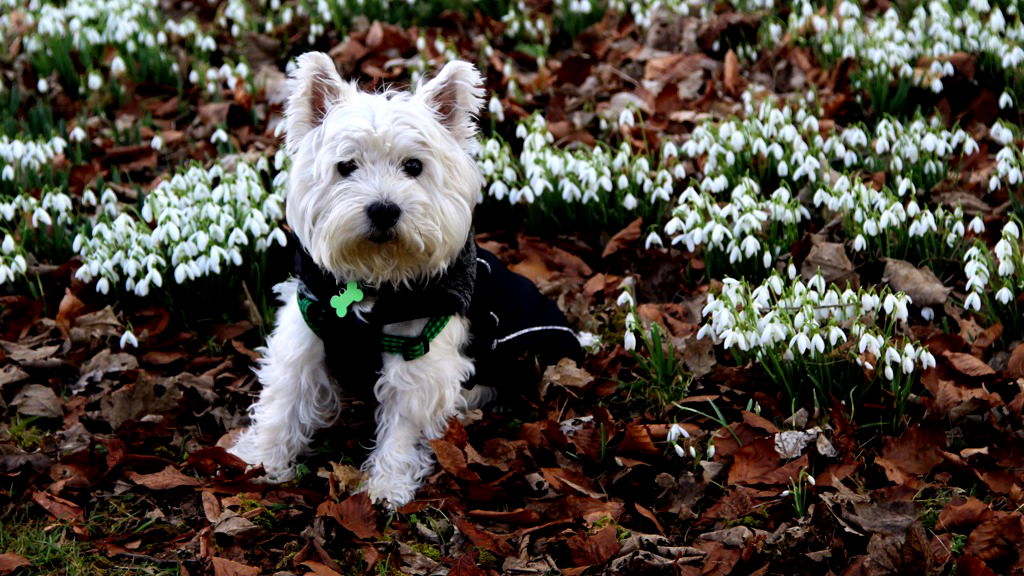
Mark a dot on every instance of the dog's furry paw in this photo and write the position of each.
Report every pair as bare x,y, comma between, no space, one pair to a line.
247,449
387,492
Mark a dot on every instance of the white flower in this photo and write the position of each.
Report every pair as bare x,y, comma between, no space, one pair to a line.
677,431
219,136
43,86
157,143
629,202
625,299
629,341
818,343
495,108
653,240
1011,230
117,66
927,314
626,117
95,81
129,339
1004,295
972,302
836,333
679,450
8,244
77,134
1005,101
977,225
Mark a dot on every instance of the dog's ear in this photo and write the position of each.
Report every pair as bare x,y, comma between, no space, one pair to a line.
456,94
315,86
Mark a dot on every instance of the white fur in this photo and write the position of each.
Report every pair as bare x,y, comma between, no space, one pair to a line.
330,121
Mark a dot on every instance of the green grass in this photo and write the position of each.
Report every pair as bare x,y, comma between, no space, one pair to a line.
54,550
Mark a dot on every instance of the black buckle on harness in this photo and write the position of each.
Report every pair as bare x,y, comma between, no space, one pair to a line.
415,347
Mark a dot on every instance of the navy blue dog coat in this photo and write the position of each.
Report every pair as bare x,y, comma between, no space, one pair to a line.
515,331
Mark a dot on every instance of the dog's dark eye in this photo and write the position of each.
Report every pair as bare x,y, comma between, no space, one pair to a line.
346,167
412,167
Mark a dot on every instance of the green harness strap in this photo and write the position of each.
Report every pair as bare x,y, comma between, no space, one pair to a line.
413,347
410,347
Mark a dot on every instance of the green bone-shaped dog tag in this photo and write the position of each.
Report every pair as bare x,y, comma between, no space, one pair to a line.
350,295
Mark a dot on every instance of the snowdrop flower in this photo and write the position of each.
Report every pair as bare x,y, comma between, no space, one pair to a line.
835,333
977,225
8,244
625,299
157,143
626,117
679,450
927,314
117,67
496,109
77,134
972,302
43,86
653,240
629,202
1011,230
219,136
676,432
1004,295
94,82
129,339
629,341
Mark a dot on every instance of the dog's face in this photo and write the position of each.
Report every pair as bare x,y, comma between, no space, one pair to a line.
382,186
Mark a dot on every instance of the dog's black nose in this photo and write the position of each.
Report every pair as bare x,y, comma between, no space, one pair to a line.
383,215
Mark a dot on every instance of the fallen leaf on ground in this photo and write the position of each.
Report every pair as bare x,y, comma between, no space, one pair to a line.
11,562
38,400
225,567
921,284
166,479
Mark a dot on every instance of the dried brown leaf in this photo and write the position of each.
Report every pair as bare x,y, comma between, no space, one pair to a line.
960,514
921,284
593,549
11,562
38,400
996,538
453,460
494,543
58,507
830,259
225,567
911,456
232,525
356,514
1015,367
166,479
731,74
968,365
623,238
319,568
69,309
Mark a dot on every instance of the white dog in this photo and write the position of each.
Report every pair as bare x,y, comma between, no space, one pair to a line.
381,195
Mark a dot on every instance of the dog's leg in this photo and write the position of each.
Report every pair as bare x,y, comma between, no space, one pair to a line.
478,396
298,396
417,398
